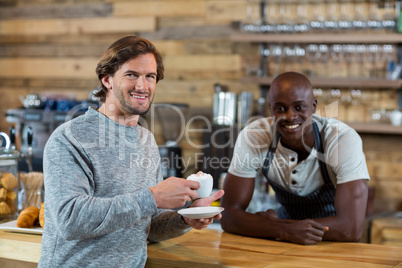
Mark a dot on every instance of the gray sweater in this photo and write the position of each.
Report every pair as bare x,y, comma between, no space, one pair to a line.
99,211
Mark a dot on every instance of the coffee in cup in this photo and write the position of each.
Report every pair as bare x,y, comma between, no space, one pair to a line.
206,182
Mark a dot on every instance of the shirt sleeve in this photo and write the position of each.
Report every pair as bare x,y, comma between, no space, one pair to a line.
346,157
248,152
167,224
69,186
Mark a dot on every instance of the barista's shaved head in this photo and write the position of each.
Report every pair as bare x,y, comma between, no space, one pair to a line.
289,80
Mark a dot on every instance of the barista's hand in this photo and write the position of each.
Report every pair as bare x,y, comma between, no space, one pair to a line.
305,232
204,202
174,192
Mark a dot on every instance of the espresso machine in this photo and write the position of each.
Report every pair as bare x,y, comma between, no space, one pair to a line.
33,128
34,122
172,117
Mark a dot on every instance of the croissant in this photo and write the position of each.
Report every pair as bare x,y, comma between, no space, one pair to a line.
3,194
9,181
4,208
28,217
42,215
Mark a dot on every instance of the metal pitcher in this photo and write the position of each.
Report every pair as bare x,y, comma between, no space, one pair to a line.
244,107
224,108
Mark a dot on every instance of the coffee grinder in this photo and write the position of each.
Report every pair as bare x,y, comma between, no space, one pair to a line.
172,117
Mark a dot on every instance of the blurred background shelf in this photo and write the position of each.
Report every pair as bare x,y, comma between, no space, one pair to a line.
376,128
317,38
338,82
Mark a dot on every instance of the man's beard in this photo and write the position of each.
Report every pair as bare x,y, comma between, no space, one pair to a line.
127,107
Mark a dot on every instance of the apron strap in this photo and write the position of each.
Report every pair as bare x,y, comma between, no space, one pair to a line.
270,155
320,149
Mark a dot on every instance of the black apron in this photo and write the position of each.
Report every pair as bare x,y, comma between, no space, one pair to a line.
317,204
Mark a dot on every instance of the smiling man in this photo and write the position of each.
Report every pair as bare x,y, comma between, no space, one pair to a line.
315,165
101,206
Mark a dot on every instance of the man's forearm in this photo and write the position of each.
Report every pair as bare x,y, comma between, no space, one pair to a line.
341,229
167,224
350,206
253,225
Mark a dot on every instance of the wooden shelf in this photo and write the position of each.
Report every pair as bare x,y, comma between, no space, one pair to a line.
317,38
376,128
338,82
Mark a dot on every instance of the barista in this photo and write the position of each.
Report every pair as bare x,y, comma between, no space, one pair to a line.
315,165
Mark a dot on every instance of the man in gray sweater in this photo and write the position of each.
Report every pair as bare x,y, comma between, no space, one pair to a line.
104,192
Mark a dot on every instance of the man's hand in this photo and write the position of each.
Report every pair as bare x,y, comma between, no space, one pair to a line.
305,232
204,202
174,192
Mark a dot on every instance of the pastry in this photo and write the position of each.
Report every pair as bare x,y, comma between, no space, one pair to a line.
42,215
4,208
9,181
3,194
11,195
10,200
28,217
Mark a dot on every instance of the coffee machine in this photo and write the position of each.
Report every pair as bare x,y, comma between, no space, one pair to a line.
172,117
36,120
33,128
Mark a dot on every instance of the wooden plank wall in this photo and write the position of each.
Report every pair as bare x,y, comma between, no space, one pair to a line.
52,47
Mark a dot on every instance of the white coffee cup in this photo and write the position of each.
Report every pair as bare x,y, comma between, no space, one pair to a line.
206,182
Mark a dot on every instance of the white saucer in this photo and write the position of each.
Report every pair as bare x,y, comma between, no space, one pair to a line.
200,212
11,226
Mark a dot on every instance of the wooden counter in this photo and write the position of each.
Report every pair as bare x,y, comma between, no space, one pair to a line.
214,248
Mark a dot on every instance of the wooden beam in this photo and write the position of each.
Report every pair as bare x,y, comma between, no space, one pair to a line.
70,39
48,67
52,50
197,75
76,26
161,8
77,50
169,47
56,11
203,87
175,22
108,25
203,62
190,32
226,10
208,47
84,67
49,83
218,67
